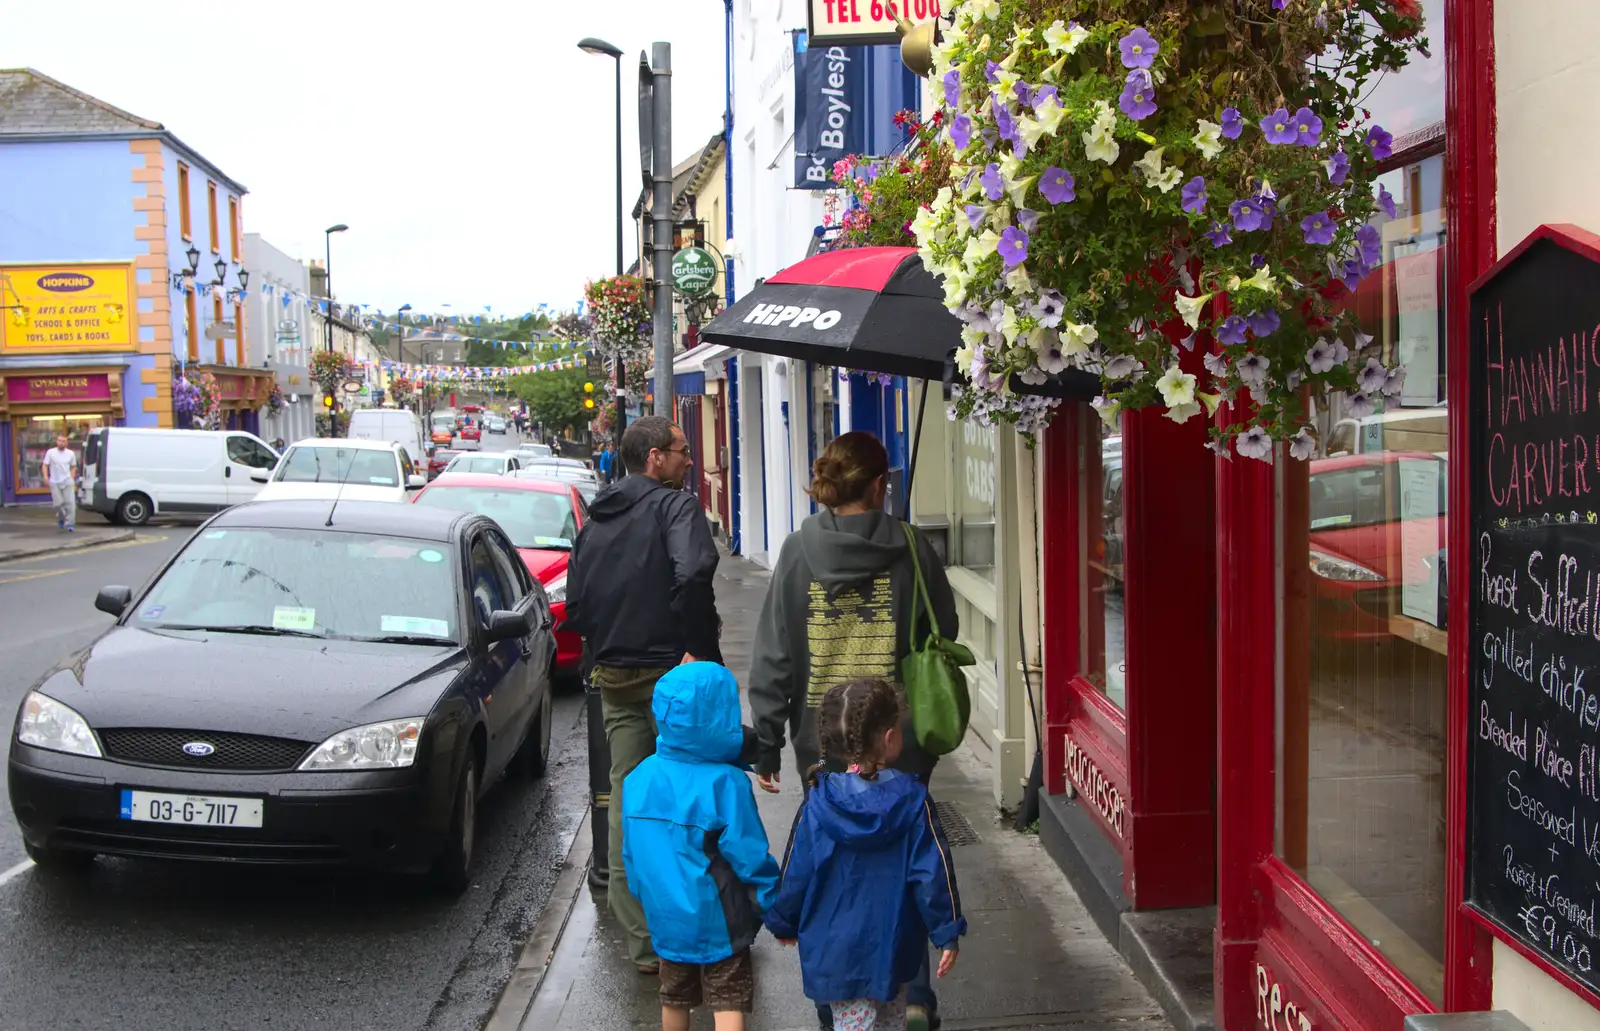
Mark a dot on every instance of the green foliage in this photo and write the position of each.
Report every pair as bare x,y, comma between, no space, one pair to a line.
555,397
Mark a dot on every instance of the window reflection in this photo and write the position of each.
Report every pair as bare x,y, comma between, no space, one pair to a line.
1103,655
1361,542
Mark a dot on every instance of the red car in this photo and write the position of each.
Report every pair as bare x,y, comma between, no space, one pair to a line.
541,517
470,430
438,459
1377,522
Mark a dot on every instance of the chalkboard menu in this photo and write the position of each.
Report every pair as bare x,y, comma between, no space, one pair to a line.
1533,755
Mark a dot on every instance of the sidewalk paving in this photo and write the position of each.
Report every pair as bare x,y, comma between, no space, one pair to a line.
31,531
1033,957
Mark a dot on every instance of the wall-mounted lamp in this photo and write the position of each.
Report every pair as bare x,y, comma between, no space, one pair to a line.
185,279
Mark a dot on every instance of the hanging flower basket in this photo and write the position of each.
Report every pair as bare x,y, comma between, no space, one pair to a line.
195,398
329,369
619,316
885,194
1155,176
402,390
275,402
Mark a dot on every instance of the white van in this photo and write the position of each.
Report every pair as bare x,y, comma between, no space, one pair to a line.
392,426
130,475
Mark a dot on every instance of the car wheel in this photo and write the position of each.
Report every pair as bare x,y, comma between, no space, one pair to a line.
534,755
452,868
57,860
133,509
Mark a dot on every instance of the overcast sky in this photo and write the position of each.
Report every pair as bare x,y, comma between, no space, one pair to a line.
469,144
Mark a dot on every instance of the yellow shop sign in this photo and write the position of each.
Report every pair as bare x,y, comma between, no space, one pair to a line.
51,308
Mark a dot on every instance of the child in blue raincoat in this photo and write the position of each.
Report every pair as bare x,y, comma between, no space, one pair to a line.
695,850
867,878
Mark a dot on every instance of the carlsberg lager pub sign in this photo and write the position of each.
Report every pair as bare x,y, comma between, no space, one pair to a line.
694,272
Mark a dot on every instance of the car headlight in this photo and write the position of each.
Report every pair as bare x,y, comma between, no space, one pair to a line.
46,723
556,589
376,746
1331,568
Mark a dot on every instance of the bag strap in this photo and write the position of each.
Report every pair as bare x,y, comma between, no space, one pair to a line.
921,594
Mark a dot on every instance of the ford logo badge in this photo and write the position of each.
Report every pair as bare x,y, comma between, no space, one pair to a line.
199,748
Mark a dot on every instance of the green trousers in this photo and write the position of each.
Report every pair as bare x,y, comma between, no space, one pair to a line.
626,697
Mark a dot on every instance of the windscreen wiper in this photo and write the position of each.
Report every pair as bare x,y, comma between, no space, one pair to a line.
246,628
402,639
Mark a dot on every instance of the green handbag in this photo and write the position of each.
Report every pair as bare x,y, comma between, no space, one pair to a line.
931,672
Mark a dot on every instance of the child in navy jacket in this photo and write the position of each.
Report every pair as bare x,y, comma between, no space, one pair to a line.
867,878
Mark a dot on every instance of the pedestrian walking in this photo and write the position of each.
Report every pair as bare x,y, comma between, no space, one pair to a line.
606,462
696,851
867,877
639,591
838,609
61,473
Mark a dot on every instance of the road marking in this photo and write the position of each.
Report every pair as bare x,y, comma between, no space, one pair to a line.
16,871
21,575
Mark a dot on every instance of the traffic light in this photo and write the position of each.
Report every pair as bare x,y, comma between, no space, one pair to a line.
327,400
588,400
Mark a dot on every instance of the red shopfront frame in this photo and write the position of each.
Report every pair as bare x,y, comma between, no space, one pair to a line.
1277,943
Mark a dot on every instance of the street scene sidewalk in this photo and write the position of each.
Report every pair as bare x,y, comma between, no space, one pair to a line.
29,531
1032,958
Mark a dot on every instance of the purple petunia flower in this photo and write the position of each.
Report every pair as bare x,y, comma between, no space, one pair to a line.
1264,322
975,215
960,131
1278,5
1024,94
1320,357
1057,186
1120,367
1381,142
1385,200
1138,100
1371,243
1338,167
1231,331
1047,308
994,186
1252,369
1247,215
1194,195
1219,235
1258,260
1006,123
1307,128
1352,273
991,71
1013,246
1232,123
1279,127
1044,95
1216,364
1318,228
952,88
1372,376
1027,220
1139,49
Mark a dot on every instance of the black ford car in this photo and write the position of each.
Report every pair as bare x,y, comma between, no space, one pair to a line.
301,683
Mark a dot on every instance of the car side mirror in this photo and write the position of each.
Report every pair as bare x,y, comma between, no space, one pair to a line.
416,481
261,475
114,601
508,624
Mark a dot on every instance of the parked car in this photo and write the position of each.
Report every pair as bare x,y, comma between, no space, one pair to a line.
535,450
343,715
587,484
542,518
470,430
318,469
440,457
392,425
495,424
442,429
130,475
496,463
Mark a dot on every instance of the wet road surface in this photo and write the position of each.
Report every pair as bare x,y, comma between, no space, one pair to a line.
143,944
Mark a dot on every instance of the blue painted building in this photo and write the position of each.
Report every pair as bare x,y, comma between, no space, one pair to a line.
120,251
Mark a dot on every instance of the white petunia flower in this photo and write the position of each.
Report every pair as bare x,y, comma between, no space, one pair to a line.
1176,387
1189,308
1076,337
1208,139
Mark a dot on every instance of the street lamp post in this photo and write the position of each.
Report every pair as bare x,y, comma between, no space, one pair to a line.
327,276
600,46
400,343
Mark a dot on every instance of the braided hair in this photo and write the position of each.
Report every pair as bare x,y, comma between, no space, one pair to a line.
852,720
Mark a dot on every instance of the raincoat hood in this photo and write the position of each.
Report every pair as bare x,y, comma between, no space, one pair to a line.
697,714
860,813
623,495
845,550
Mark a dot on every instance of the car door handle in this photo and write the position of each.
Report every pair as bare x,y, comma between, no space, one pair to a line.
227,470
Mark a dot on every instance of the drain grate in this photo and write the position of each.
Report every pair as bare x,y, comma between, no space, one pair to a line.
957,829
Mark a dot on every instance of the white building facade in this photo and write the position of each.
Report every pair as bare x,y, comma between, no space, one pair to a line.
278,324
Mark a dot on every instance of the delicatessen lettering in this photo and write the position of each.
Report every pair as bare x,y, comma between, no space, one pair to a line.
1095,786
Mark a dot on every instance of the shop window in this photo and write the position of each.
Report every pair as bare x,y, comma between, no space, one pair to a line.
192,311
1361,613
975,507
36,434
183,200
1103,655
211,209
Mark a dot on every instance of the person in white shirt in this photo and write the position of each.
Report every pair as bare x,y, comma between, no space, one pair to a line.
61,472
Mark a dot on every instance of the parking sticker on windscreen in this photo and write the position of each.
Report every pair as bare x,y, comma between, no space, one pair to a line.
551,542
414,625
288,617
429,555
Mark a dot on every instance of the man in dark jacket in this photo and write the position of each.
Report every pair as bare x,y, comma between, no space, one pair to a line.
639,590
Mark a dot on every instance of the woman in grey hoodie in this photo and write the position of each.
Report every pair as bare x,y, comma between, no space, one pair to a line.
839,610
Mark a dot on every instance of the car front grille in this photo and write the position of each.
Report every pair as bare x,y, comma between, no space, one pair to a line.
231,751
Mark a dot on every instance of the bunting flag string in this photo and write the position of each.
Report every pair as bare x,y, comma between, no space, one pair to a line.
418,373
371,315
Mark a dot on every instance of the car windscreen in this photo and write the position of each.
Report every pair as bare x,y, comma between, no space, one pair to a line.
531,518
339,465
477,464
293,582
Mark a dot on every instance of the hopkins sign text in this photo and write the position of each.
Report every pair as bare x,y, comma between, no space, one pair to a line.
67,308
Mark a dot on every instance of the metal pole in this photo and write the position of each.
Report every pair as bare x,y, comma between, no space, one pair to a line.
621,372
661,209
327,285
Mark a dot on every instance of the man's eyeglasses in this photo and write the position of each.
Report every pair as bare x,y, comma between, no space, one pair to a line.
673,450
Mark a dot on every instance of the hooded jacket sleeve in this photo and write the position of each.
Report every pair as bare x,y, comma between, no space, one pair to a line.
933,880
783,916
694,566
772,670
744,843
577,569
